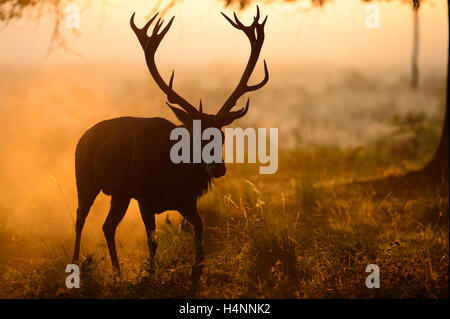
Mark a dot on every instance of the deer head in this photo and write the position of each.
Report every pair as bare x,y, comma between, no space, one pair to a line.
187,113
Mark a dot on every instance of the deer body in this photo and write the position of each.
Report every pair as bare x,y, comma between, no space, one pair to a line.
129,157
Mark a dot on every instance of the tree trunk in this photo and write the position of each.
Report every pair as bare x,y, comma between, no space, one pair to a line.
437,168
415,52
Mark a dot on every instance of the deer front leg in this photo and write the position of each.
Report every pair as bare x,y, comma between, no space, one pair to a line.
196,221
148,217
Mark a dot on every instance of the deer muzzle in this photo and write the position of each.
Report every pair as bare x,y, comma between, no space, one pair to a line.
216,170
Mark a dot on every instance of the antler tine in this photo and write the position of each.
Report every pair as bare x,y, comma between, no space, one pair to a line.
141,33
239,23
229,20
257,15
234,115
201,106
171,79
147,25
170,97
242,111
150,45
262,24
262,83
158,25
167,27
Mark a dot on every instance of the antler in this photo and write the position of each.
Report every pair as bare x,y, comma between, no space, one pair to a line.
255,33
150,45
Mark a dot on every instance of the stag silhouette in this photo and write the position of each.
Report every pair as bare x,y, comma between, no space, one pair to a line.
128,157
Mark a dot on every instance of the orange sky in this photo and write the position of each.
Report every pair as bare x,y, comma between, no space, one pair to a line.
334,35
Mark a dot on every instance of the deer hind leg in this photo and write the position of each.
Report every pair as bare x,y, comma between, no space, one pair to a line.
194,218
85,201
119,206
148,217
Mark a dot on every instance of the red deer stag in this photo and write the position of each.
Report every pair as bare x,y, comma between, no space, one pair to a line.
128,157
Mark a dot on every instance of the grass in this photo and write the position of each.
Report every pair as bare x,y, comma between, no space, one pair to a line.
305,232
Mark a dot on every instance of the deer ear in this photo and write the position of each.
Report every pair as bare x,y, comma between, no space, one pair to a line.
183,116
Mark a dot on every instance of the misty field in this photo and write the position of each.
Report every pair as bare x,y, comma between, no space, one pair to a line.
308,231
